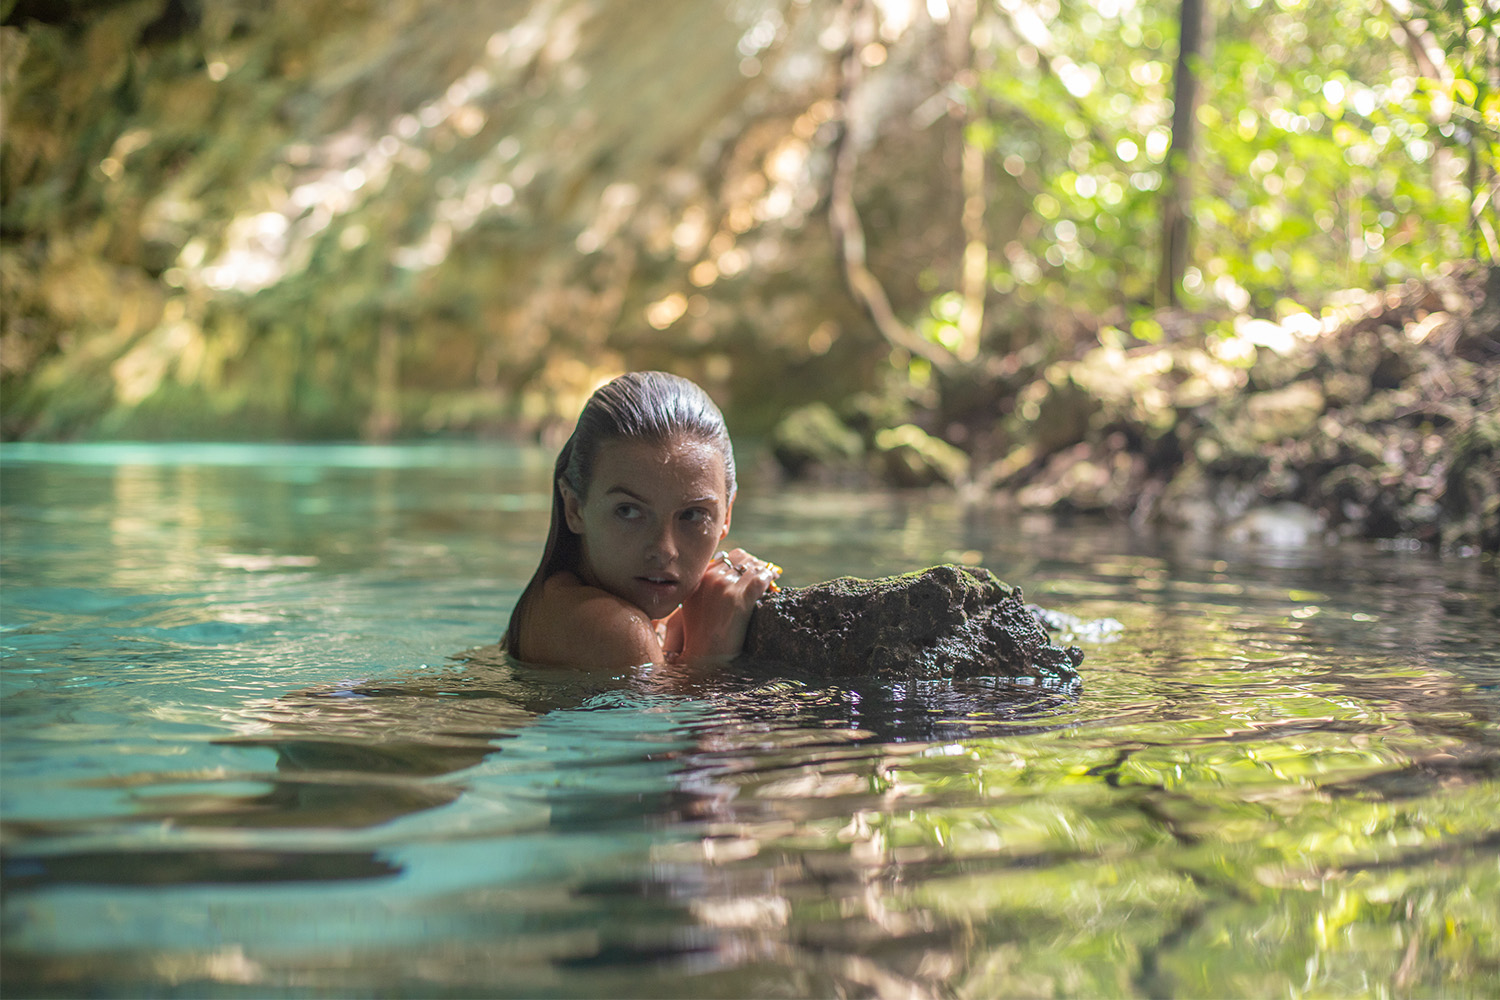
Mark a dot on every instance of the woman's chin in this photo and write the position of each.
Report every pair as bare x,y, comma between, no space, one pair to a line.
656,600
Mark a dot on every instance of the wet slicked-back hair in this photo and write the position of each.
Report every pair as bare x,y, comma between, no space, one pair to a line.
637,406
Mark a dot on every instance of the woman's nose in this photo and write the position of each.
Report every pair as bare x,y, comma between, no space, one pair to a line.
663,545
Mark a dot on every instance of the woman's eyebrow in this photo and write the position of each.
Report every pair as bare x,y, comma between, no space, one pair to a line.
705,499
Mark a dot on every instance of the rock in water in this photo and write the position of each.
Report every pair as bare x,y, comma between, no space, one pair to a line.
944,621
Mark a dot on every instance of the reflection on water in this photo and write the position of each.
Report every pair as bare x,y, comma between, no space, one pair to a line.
241,758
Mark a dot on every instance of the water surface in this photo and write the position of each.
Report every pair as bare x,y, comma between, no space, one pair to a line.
242,757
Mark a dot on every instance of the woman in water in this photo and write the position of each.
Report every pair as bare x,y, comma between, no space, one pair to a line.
641,499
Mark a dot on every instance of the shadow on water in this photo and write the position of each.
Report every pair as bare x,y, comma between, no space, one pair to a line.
361,754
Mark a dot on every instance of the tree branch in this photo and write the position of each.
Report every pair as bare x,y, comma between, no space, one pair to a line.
843,216
1419,43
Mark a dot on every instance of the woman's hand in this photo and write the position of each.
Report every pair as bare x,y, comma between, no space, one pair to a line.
716,615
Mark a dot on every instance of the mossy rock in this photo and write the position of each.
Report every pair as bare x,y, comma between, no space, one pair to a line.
946,621
909,456
813,436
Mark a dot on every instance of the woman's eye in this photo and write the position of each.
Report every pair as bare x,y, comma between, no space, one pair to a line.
627,511
697,515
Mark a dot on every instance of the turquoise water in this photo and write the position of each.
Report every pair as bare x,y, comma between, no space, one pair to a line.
254,745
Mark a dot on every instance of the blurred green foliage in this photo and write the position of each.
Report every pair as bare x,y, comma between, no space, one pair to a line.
1326,158
331,218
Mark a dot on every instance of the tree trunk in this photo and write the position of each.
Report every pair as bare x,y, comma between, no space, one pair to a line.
1177,185
384,418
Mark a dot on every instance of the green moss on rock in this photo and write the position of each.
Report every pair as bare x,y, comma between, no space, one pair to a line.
909,456
812,436
943,621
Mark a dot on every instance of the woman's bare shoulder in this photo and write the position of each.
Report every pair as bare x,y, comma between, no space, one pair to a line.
571,623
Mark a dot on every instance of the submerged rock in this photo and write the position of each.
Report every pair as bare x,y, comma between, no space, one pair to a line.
944,621
1097,630
1281,525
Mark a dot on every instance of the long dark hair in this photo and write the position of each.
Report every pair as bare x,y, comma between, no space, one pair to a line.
637,406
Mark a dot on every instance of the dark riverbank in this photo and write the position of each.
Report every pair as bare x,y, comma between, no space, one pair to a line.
1378,419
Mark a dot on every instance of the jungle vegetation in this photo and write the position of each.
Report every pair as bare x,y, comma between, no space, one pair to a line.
910,227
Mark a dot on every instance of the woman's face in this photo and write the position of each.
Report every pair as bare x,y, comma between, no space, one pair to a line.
651,520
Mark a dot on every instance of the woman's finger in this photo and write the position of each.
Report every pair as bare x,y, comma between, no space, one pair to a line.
743,562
